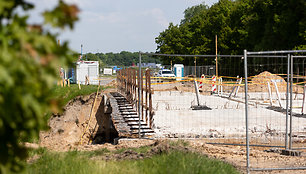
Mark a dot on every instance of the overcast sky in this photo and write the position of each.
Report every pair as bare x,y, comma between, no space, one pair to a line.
119,25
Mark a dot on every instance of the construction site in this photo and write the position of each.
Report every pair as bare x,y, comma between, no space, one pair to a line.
209,112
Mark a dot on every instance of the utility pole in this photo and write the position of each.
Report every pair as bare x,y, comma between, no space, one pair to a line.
217,56
81,51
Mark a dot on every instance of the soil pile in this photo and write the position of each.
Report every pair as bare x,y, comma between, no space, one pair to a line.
259,83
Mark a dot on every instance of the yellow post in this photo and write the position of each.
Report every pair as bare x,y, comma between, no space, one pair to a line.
79,84
217,56
68,82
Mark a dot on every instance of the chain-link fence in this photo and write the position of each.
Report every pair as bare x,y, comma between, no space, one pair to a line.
275,104
267,117
216,114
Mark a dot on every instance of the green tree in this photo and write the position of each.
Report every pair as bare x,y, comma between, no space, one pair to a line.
190,12
242,24
124,58
29,67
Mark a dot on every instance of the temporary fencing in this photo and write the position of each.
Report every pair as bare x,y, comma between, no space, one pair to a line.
174,102
197,71
259,103
273,114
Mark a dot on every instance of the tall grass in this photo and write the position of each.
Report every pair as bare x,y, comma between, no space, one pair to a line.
65,94
175,162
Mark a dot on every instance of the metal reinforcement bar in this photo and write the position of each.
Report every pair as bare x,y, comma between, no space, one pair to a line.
229,56
299,148
298,56
277,52
234,144
183,55
255,145
285,168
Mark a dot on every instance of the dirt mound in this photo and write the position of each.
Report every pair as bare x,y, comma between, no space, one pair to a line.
156,147
266,76
259,83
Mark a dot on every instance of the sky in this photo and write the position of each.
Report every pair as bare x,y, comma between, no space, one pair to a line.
118,25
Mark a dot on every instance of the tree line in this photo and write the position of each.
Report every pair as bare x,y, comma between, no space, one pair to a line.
124,58
254,25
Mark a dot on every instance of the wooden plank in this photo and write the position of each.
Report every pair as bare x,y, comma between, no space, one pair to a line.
277,93
131,119
135,123
141,127
270,93
237,89
233,88
303,99
143,131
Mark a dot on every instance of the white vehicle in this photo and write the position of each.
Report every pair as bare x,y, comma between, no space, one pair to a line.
165,73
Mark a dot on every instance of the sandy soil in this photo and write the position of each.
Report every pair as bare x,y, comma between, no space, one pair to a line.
67,129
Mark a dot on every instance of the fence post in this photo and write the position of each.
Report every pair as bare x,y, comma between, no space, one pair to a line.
141,90
291,85
139,94
134,87
150,102
246,110
146,111
287,102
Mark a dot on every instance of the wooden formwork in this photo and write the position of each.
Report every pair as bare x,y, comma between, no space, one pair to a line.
129,85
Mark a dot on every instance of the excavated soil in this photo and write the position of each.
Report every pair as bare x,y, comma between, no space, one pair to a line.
67,129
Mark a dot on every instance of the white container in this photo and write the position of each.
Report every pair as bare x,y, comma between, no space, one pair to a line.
108,71
179,70
87,68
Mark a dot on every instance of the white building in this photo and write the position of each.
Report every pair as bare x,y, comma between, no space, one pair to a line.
89,69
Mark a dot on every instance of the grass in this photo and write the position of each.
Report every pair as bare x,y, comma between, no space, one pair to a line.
81,162
65,94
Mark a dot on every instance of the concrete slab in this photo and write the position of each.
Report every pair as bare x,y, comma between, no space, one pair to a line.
173,115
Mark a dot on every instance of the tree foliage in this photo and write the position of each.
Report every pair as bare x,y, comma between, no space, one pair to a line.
29,64
242,24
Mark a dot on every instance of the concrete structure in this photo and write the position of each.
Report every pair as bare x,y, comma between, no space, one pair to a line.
174,117
89,69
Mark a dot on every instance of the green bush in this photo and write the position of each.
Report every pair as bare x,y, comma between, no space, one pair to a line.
30,58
